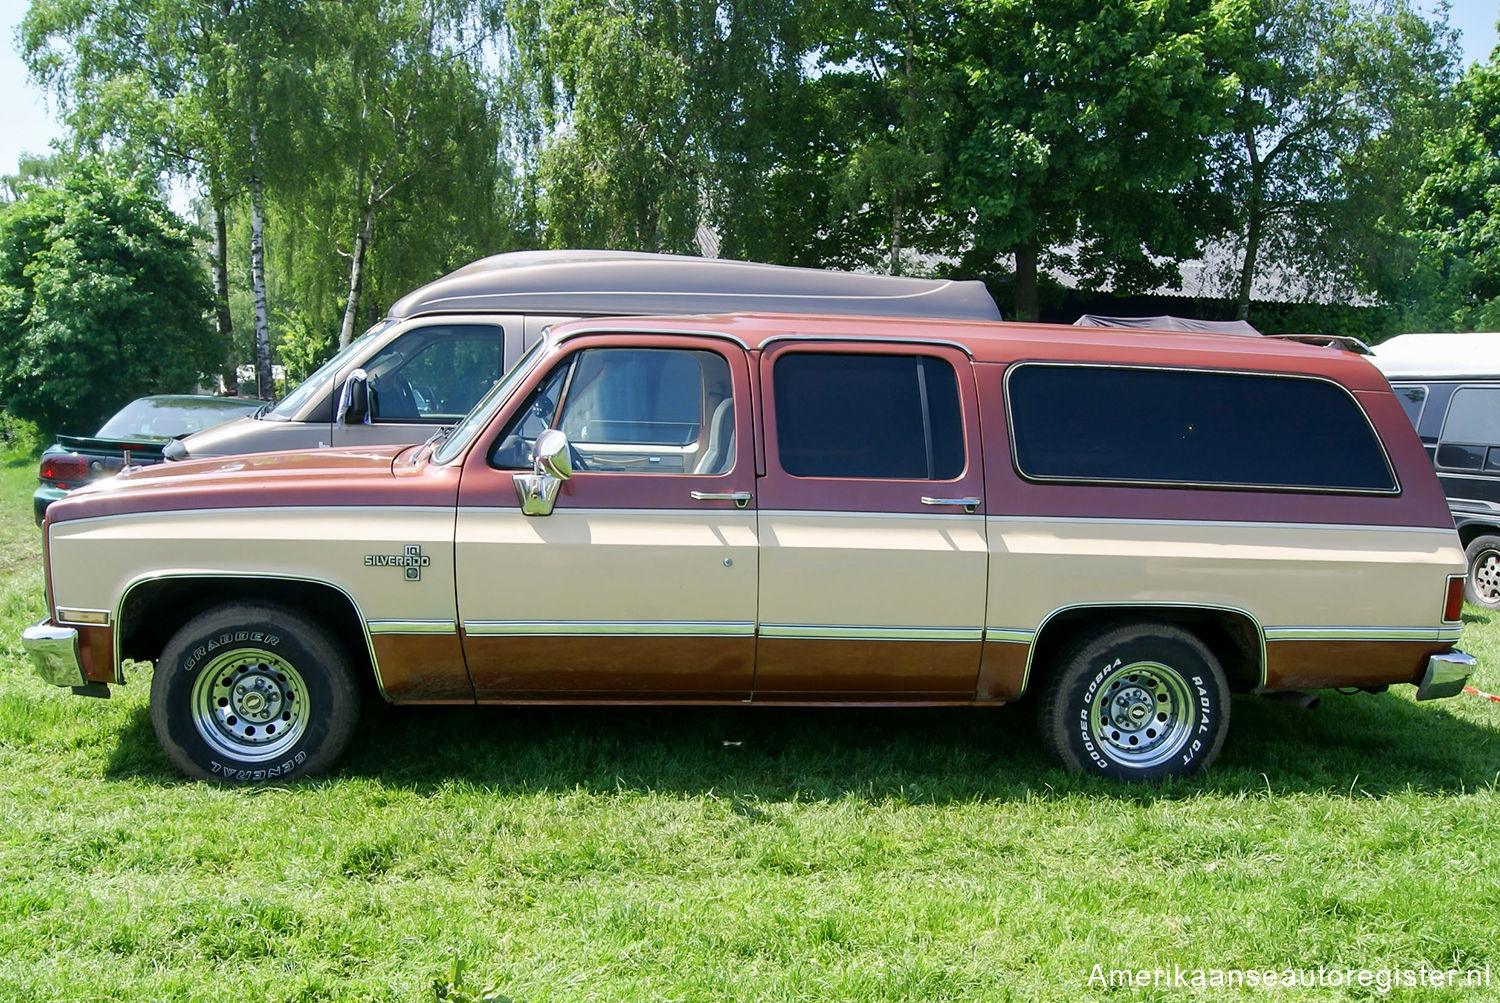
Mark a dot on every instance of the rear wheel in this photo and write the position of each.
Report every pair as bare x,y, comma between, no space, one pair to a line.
1482,584
249,692
1137,701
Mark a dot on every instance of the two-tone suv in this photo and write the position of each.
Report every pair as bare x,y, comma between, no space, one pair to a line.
776,509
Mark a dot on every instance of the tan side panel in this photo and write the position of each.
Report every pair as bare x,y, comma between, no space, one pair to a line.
872,570
94,561
1283,576
607,566
869,606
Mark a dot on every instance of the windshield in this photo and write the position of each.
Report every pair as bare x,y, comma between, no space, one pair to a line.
489,404
325,374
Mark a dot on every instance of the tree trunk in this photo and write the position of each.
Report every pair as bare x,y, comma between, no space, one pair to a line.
222,319
357,271
1253,224
265,385
896,208
1027,307
1247,267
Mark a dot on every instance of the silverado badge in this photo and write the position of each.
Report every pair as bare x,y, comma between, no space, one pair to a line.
412,559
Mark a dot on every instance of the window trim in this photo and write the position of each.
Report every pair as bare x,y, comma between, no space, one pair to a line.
1015,458
920,358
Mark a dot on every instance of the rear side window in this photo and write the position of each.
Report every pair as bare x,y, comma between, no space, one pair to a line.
1192,428
1470,429
894,417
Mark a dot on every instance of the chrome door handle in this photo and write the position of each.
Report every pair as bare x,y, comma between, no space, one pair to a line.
740,498
969,504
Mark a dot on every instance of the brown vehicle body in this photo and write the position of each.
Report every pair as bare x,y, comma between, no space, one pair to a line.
769,533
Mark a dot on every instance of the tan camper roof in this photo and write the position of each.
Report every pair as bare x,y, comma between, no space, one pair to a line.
611,283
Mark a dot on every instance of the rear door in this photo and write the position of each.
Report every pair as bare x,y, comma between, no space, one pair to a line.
873,555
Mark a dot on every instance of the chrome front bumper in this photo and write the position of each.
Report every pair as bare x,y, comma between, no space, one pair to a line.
1445,675
54,652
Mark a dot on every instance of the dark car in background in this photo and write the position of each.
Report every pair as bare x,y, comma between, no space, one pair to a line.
133,437
1449,384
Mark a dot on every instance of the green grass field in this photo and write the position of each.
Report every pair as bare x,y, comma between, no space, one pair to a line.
745,854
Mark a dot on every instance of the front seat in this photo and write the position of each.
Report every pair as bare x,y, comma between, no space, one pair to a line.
718,455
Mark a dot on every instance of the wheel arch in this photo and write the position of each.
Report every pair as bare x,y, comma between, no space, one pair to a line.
153,608
1233,635
1472,529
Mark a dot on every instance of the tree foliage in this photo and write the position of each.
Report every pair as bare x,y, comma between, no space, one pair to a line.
1451,278
1331,96
103,298
345,153
1082,134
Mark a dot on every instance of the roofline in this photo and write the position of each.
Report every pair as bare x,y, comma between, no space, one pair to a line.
616,283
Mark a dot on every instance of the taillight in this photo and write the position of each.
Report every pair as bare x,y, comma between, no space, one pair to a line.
1453,606
63,470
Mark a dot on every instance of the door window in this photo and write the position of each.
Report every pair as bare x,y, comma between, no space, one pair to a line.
434,374
635,410
890,417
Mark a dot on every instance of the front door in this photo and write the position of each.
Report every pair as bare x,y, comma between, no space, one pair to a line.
873,555
641,583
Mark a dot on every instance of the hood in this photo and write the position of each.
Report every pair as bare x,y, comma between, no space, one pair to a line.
248,435
313,477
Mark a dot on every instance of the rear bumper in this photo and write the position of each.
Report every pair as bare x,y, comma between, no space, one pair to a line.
44,497
1446,675
54,653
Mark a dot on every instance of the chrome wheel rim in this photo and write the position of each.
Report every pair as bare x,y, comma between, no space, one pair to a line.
1486,576
1144,715
250,704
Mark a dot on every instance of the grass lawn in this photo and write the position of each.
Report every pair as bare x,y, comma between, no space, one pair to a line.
737,854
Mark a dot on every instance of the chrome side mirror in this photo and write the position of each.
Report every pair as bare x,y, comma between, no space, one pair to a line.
550,466
354,400
552,454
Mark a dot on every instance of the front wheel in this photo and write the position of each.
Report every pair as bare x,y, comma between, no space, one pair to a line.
251,691
1138,701
1482,584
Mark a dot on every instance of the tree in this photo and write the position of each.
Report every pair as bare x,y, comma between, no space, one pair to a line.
1328,90
658,122
888,98
103,298
1451,274
1080,134
400,111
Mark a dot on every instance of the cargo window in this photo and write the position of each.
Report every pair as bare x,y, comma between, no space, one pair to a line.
868,416
1195,428
632,410
1470,427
